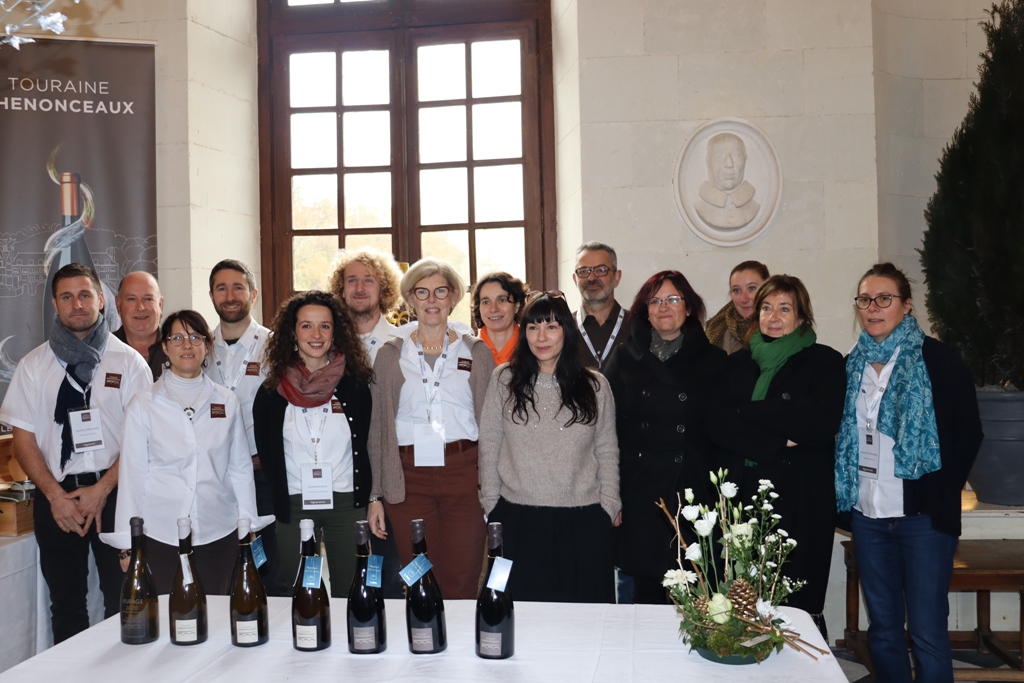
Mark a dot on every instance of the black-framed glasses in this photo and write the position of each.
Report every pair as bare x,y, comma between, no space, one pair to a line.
178,339
599,271
440,293
673,300
882,300
553,293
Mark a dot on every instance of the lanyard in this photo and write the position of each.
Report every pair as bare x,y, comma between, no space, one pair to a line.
241,368
314,437
431,390
84,392
871,408
611,340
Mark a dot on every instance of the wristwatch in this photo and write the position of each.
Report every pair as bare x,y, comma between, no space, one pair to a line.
375,499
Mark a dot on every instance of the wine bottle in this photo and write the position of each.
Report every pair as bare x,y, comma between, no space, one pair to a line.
187,602
367,627
424,607
495,615
140,616
250,625
311,607
76,252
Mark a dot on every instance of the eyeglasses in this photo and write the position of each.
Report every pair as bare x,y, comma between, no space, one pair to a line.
599,271
553,293
440,293
882,300
179,339
670,300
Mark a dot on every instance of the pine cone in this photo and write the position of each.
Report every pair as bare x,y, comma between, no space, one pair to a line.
743,598
701,604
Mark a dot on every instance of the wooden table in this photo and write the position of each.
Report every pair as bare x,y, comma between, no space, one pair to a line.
980,566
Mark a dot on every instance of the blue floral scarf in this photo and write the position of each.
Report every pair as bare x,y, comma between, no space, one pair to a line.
906,414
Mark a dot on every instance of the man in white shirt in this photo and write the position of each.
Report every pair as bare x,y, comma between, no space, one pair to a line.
367,283
238,344
66,403
140,305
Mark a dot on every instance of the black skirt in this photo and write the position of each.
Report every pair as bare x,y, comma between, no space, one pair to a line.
559,554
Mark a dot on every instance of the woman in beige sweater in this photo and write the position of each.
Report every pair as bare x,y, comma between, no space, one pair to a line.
549,462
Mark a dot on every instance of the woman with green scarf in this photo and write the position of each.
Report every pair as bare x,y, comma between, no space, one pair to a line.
776,417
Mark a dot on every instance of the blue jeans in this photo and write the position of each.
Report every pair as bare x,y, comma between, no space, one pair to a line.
905,567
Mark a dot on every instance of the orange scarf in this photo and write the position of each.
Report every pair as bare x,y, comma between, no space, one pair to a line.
505,355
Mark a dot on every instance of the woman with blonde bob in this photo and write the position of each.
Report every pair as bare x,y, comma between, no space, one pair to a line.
429,389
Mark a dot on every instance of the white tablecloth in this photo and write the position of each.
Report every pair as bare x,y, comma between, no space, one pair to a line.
554,642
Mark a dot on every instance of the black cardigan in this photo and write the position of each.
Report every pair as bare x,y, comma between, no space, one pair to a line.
268,417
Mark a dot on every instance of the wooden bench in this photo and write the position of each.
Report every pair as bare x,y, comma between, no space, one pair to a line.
979,567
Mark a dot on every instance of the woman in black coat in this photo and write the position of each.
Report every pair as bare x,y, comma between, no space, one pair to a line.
776,417
661,379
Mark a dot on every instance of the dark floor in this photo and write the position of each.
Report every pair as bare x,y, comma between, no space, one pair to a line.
858,673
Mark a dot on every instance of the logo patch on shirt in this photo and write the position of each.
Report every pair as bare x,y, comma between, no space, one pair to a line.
252,369
113,380
218,410
465,364
336,406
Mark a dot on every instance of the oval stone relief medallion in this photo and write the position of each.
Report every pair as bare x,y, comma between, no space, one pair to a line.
728,182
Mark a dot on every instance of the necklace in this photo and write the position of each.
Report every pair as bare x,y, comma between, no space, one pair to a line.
189,410
436,347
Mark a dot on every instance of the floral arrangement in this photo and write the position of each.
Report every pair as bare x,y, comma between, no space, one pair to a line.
731,608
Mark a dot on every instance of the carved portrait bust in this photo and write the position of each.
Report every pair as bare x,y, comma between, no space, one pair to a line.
728,182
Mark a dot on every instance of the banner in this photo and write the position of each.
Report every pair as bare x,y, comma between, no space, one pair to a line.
77,176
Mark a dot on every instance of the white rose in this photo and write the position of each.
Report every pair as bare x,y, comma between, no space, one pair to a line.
729,489
719,608
690,512
693,552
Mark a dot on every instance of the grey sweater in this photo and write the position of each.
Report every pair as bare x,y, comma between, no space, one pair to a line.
543,462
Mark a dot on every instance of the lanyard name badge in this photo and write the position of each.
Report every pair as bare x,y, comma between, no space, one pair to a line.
599,357
317,477
869,439
242,367
428,437
86,426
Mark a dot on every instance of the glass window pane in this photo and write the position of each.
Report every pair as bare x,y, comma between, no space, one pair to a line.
501,249
444,196
367,138
312,79
313,261
442,134
314,140
367,200
365,78
451,246
498,131
315,202
496,69
498,193
362,240
441,72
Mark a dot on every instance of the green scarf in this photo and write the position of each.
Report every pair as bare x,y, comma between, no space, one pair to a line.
770,357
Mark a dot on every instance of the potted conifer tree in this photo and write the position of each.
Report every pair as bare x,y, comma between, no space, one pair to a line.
973,252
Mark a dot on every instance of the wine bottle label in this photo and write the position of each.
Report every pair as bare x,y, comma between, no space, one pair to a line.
415,569
498,578
259,555
305,637
422,639
311,572
364,638
186,571
490,643
247,631
374,567
186,630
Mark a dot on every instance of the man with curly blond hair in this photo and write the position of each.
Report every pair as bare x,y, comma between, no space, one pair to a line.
367,283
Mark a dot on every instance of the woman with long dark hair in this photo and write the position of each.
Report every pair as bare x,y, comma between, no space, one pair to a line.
312,416
662,380
549,468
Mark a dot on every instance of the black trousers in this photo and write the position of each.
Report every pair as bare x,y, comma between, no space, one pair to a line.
271,571
64,561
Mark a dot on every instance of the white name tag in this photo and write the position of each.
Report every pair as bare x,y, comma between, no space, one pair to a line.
86,429
317,487
428,444
869,441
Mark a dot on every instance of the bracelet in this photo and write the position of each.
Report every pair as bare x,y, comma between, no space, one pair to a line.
376,499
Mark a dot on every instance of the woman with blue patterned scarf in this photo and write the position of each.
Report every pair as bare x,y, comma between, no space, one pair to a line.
909,436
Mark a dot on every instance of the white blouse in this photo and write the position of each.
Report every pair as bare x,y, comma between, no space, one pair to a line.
882,497
328,423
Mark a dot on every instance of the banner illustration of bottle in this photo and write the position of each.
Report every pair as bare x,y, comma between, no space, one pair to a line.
67,244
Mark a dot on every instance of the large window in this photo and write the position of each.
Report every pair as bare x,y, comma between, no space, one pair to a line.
419,127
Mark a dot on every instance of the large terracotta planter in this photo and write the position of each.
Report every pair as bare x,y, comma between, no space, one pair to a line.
998,474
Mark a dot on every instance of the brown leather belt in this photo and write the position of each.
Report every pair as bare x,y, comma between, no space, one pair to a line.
450,448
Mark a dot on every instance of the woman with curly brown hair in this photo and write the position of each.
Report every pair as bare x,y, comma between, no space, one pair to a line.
312,418
497,302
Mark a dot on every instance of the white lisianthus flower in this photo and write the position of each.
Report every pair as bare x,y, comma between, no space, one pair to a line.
719,608
693,553
711,516
729,489
688,495
704,527
714,478
690,512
